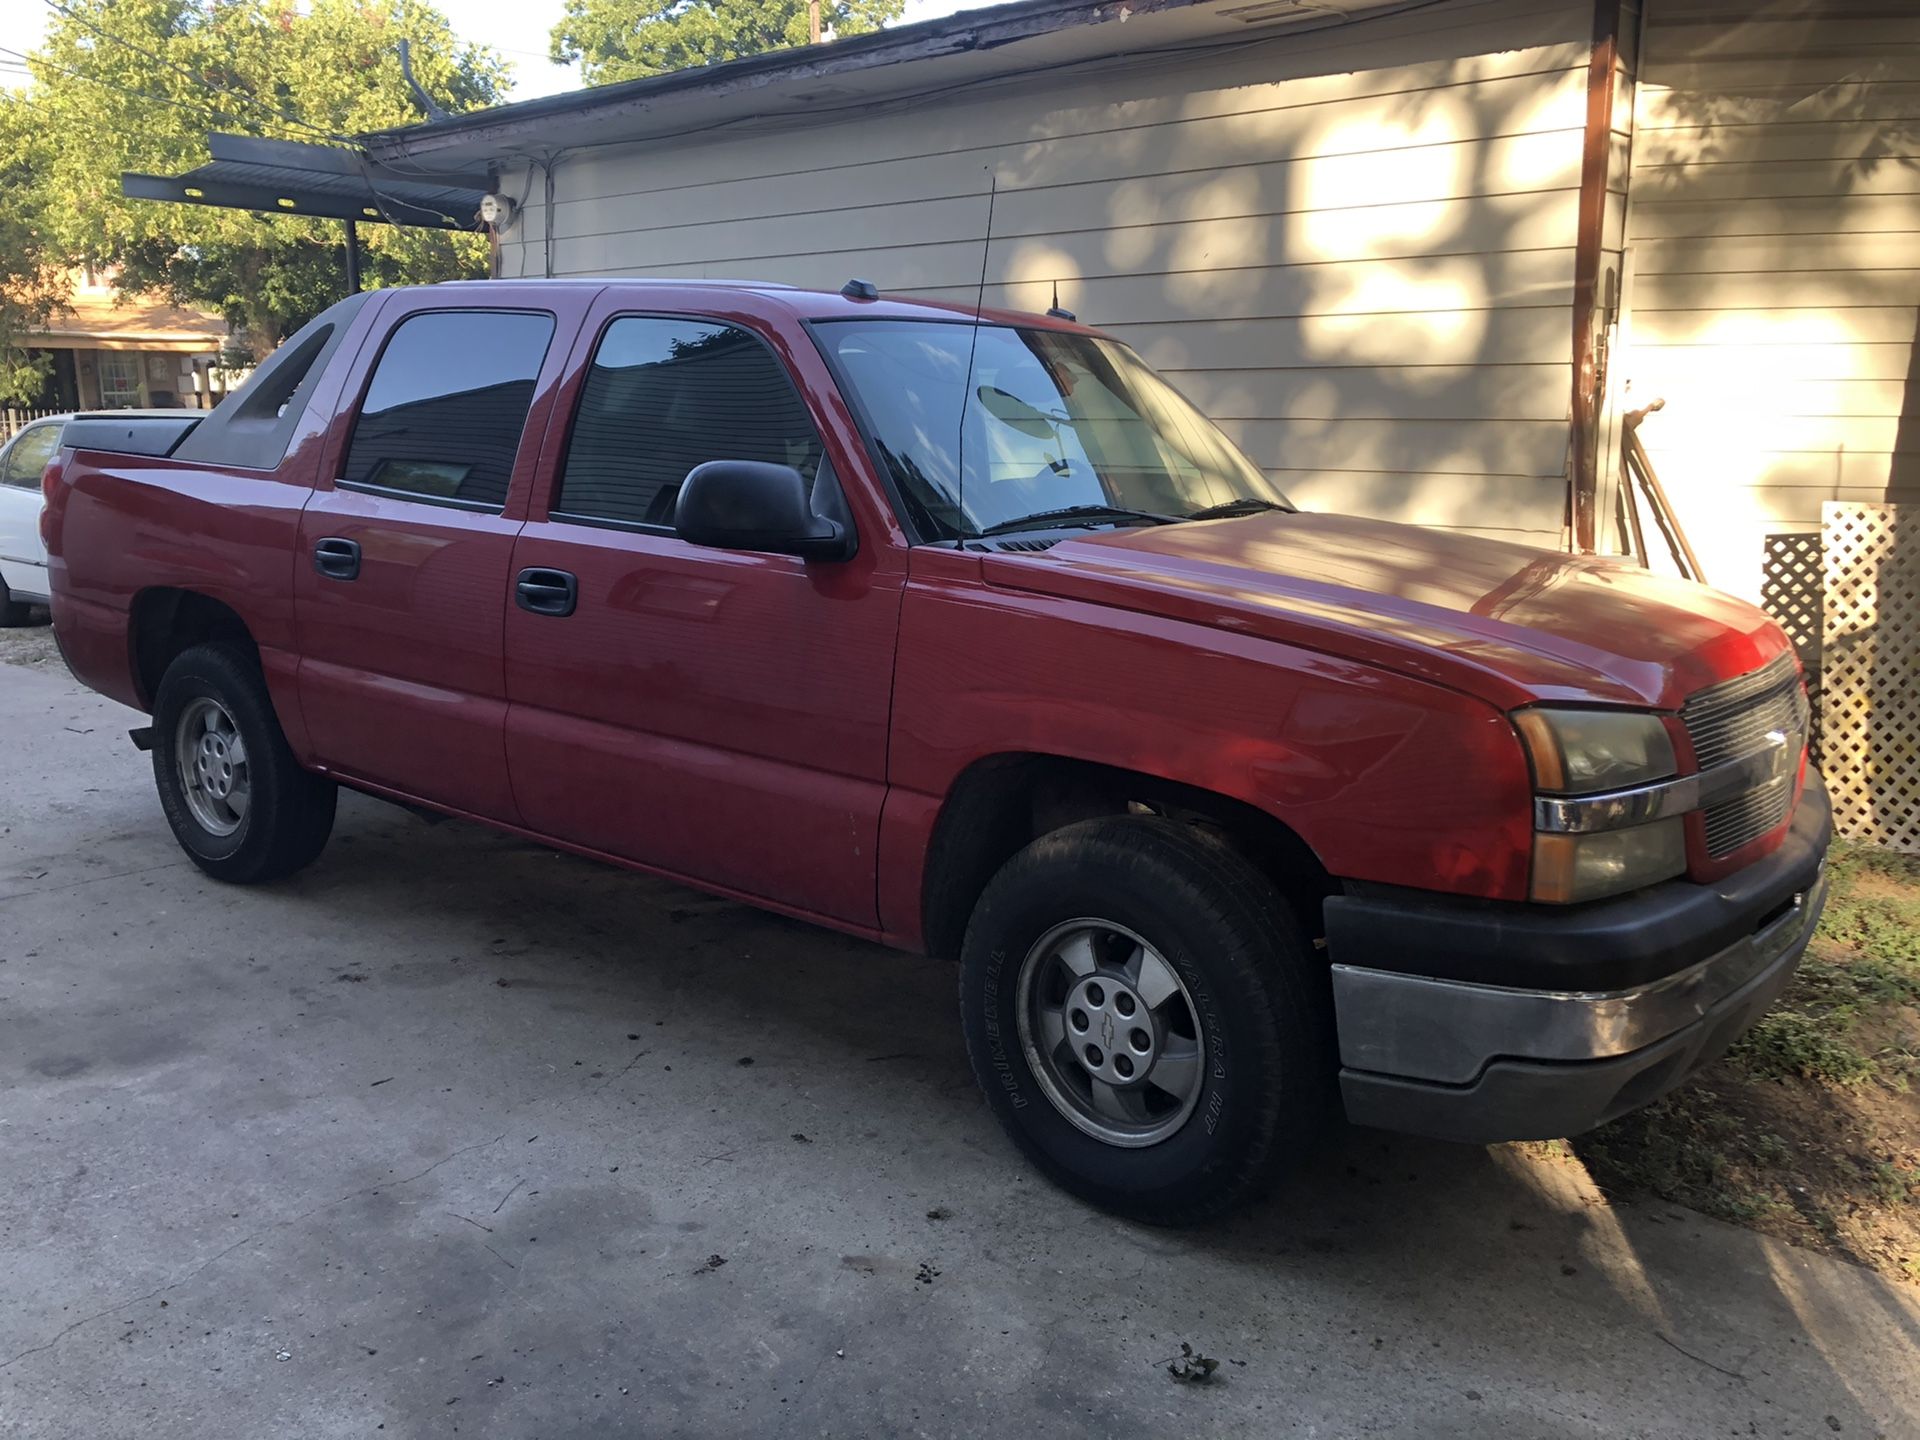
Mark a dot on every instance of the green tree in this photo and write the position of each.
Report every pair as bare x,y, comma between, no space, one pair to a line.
29,274
137,84
626,39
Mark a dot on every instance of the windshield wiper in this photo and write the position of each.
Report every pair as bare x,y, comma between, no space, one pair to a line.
1071,514
1245,505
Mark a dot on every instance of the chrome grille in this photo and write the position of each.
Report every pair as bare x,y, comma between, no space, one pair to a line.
1732,719
1732,823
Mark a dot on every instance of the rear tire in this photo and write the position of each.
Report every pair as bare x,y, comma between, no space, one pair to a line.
238,802
12,612
1092,929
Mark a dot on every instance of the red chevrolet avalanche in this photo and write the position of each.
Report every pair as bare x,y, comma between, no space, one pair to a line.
965,632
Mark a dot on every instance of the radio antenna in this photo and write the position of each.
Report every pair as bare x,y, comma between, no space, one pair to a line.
973,344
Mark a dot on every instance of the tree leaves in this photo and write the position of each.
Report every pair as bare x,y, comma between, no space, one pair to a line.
30,281
627,39
137,85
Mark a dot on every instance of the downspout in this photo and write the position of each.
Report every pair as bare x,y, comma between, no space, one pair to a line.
493,234
546,208
1603,80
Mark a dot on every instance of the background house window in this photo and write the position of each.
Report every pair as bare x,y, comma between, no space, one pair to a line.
119,381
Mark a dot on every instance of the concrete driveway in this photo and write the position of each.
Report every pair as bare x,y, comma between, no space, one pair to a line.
455,1135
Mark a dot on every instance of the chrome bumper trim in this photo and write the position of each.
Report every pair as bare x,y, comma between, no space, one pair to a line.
1447,1031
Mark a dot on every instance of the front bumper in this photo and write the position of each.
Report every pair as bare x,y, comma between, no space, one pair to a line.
1477,1058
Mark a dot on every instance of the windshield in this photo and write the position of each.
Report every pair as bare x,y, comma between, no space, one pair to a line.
1054,420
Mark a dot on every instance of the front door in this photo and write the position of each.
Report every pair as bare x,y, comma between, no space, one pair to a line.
400,580
716,714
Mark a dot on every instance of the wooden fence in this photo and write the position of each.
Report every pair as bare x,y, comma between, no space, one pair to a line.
14,419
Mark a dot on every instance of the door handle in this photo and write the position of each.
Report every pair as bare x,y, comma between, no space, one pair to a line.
337,559
546,592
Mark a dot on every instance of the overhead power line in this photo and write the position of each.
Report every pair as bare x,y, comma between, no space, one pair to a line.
203,112
247,95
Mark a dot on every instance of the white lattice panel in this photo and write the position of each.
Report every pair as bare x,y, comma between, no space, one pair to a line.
1870,662
1792,577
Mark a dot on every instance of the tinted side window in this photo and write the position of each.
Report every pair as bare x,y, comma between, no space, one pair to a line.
448,400
664,396
30,454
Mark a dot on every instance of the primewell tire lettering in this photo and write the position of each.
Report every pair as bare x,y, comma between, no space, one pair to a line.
1003,1067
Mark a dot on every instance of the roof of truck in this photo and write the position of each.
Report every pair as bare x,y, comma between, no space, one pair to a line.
794,300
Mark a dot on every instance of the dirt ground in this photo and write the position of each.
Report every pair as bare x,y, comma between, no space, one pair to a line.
30,644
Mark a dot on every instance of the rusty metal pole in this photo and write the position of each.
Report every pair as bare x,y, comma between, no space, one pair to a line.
1584,447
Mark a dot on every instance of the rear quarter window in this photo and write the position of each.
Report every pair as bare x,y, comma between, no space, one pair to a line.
447,404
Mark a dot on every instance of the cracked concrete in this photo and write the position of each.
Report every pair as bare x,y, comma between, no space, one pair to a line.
459,1127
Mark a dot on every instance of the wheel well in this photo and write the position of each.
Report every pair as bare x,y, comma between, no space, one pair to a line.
1001,804
164,622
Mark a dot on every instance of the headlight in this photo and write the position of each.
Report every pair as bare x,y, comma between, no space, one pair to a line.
1591,752
1579,752
1571,868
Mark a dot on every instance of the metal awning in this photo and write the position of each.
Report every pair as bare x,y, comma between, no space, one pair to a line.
290,177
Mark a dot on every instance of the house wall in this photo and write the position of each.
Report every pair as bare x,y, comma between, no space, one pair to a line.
1354,247
1774,255
160,377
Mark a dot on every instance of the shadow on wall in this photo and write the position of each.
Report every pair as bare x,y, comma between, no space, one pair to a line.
1776,192
1376,310
1903,479
1352,246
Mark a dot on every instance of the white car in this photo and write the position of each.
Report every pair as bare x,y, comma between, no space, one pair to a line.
23,560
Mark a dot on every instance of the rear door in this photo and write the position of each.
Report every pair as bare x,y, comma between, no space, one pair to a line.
401,575
23,560
716,714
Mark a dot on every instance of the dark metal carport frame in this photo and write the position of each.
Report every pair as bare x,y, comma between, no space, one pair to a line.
291,177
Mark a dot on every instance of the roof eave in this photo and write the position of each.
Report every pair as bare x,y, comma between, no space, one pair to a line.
966,31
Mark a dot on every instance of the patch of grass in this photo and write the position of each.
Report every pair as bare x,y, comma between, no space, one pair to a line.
1894,1183
1865,957
1789,1042
1753,1206
1809,1128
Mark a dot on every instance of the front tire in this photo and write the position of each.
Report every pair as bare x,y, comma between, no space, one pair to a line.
1146,1018
238,802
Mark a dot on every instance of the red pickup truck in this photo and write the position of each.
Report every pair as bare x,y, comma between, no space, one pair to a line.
968,634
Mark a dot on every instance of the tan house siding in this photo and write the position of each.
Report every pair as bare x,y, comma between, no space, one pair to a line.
1354,246
1774,227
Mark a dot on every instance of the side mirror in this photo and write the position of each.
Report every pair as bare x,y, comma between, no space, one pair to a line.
750,505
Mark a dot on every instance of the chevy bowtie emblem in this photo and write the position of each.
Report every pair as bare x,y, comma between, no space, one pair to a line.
1783,755
1106,1032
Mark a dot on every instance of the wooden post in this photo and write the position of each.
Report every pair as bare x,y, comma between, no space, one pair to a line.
1584,448
813,22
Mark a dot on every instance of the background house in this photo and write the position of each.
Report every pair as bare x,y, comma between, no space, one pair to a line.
115,353
1416,257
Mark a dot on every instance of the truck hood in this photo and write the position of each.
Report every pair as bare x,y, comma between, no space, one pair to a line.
1508,623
